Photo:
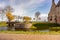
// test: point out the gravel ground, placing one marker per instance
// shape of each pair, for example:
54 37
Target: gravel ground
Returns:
28 37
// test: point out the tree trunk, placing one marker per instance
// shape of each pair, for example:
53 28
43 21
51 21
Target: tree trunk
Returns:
9 25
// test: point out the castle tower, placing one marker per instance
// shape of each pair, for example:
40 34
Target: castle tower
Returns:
58 4
53 6
58 12
53 2
52 13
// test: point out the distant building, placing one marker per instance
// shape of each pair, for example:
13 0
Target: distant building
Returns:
54 14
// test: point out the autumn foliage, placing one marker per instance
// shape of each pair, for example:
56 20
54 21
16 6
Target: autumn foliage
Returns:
9 16
26 18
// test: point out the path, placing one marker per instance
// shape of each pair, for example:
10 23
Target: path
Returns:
28 37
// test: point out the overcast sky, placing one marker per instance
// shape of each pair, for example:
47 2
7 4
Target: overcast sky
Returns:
28 7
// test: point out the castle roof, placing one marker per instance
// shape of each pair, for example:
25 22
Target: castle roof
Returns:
52 7
58 4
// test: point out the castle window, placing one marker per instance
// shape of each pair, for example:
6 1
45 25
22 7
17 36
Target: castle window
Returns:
55 18
51 18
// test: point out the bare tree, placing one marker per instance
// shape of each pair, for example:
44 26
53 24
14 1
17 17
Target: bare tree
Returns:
2 14
37 14
4 10
18 17
8 8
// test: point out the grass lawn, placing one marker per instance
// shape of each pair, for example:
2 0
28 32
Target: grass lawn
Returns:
46 25
30 32
3 24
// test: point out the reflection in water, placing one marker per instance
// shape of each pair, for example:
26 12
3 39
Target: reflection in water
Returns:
3 28
44 30
6 28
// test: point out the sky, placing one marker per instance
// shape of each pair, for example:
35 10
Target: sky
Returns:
28 7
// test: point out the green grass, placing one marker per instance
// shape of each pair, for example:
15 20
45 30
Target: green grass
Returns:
45 25
29 32
3 24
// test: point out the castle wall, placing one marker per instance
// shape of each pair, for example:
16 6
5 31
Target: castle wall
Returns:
54 13
51 16
58 14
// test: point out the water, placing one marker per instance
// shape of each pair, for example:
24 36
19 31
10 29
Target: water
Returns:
44 30
6 28
3 28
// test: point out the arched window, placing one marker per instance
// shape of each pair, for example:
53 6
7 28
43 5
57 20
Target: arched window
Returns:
55 18
51 18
